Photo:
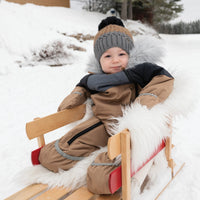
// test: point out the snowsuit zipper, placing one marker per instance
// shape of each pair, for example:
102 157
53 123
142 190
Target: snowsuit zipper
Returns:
83 132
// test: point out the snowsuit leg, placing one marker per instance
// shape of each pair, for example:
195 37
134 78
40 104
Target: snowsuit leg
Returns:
98 174
74 146
99 171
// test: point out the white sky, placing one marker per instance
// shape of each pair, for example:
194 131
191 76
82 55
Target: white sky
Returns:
191 11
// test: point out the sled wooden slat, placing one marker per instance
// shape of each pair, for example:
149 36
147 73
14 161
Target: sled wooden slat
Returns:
120 144
53 194
114 148
82 193
126 164
116 196
28 192
51 122
41 140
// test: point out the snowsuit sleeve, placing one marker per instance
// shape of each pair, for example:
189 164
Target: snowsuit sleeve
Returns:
101 82
155 83
77 97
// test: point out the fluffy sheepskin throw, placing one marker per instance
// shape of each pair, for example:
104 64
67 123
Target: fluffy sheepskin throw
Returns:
149 127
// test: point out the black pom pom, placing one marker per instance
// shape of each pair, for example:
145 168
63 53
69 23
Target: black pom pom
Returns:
110 20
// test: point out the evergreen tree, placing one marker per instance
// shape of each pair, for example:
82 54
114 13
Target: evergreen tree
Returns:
154 12
142 10
165 10
180 28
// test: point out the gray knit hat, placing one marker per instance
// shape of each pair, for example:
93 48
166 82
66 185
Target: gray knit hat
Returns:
112 36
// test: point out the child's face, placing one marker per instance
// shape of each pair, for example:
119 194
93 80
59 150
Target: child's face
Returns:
114 60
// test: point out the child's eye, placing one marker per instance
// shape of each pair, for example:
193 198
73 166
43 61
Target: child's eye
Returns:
107 56
122 54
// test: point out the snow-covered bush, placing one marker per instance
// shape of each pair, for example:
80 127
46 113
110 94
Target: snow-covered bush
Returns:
53 54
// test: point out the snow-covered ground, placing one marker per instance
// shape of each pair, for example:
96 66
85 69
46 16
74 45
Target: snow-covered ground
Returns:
35 37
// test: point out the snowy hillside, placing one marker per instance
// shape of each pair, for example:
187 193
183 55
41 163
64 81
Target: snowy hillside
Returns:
41 61
30 30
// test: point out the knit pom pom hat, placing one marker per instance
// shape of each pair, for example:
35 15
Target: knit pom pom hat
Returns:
112 33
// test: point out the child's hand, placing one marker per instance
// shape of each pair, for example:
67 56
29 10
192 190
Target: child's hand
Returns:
76 98
70 101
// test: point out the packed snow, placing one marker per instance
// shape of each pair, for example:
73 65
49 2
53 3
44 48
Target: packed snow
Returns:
39 67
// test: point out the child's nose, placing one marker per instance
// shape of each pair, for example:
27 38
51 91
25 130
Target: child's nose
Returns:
115 59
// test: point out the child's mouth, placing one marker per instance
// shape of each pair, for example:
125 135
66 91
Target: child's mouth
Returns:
120 68
116 67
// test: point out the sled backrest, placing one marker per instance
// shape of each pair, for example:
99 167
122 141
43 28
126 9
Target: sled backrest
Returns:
41 126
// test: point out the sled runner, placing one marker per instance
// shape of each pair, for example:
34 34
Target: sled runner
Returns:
117 144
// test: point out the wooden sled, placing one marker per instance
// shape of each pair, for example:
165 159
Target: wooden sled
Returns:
117 144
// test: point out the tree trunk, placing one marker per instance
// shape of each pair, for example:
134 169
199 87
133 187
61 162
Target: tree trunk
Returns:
124 10
130 10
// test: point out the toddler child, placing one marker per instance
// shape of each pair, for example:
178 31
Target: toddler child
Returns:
118 85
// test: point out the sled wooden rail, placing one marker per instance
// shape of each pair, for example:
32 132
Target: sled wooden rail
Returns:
117 144
41 126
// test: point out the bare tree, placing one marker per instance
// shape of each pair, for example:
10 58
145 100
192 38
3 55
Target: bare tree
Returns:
130 10
124 10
